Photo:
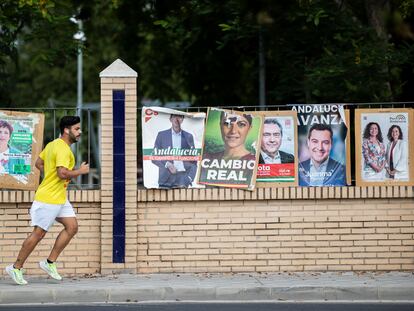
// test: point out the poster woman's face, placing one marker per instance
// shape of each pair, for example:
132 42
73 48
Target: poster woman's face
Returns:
4 135
234 130
373 130
395 133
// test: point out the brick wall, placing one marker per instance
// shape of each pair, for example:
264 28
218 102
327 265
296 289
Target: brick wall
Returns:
350 230
222 230
81 257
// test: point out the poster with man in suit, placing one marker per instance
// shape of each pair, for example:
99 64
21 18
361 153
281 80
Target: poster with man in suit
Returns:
172 142
322 145
278 150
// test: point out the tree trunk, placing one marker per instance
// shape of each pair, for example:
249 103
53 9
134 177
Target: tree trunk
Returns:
377 12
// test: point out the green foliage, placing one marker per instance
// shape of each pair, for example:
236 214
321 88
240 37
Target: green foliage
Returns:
406 7
36 45
206 52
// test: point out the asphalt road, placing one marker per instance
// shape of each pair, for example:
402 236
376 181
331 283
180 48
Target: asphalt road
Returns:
281 306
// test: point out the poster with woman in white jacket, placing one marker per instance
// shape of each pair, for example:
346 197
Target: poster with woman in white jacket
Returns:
384 148
397 154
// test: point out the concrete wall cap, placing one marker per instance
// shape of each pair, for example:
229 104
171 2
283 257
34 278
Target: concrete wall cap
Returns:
118 69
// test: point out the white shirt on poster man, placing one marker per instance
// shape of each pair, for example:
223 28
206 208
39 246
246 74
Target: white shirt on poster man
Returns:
318 174
176 143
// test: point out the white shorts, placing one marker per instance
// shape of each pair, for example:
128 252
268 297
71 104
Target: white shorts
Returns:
44 215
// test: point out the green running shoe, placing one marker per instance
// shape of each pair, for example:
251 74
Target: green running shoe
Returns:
50 268
16 275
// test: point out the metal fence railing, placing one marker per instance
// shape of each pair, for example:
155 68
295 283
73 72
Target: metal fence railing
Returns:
86 150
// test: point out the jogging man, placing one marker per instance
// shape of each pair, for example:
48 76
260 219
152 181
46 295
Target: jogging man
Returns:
56 161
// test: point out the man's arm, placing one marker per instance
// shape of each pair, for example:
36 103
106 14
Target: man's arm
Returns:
338 174
192 145
261 160
286 157
303 173
65 173
190 166
159 145
40 164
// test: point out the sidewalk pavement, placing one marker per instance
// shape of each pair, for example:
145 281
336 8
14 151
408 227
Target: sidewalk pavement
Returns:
330 286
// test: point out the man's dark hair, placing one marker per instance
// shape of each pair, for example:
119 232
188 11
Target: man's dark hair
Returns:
367 135
389 135
176 115
275 122
320 127
67 122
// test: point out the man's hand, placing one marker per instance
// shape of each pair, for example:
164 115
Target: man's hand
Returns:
377 168
84 168
171 168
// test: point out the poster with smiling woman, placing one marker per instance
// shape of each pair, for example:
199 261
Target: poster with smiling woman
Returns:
231 149
383 147
21 139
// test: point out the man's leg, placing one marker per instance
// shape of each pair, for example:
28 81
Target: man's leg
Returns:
191 171
70 229
182 180
29 245
169 182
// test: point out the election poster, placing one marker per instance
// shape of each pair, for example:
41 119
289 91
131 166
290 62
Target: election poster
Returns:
21 140
384 147
231 149
278 149
171 147
322 145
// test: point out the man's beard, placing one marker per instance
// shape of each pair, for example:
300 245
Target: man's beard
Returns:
72 138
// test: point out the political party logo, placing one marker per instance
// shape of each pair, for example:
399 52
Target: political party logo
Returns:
400 118
149 113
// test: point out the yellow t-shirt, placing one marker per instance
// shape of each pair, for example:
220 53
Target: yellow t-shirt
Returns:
52 190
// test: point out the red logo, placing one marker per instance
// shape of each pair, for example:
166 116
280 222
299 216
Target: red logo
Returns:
149 113
287 122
